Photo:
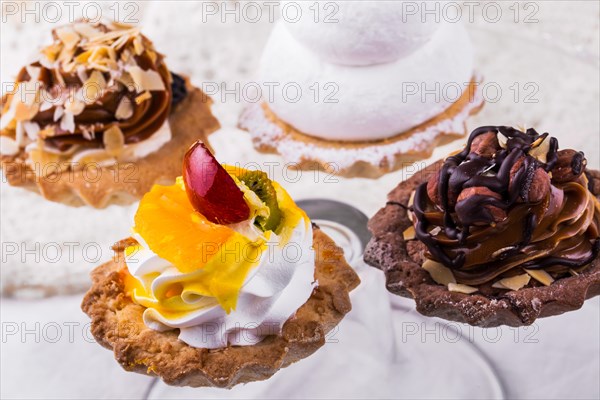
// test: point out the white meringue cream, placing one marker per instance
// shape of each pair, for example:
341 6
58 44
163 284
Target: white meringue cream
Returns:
360 32
162 136
368 102
280 280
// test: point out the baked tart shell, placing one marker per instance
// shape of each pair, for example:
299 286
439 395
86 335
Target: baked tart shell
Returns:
405 277
122 183
117 325
362 159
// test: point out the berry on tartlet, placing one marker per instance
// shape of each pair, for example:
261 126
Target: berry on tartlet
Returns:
97 118
226 280
504 232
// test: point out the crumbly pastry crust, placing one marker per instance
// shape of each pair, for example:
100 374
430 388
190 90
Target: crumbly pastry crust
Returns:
368 159
401 262
123 183
117 325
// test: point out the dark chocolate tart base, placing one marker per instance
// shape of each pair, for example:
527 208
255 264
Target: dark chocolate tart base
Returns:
401 262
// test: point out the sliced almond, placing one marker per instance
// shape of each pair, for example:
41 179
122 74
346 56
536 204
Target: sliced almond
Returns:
411 199
33 72
51 52
120 42
541 276
59 78
45 163
93 88
113 140
116 25
8 146
138 47
435 231
24 104
46 104
93 156
20 134
67 122
87 30
74 105
109 37
460 288
502 140
58 113
66 55
146 80
143 97
68 36
8 117
409 233
31 129
124 109
102 52
540 149
82 73
513 283
83 57
47 132
126 80
439 272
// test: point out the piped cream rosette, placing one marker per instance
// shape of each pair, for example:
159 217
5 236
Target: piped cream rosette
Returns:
220 285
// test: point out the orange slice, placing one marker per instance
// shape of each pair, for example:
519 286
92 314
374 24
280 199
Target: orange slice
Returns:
167 222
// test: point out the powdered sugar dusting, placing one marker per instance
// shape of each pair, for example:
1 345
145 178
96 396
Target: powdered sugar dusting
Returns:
268 135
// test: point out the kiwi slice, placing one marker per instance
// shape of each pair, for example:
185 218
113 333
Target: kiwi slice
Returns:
259 183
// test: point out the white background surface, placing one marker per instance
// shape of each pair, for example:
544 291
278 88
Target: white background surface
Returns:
558 358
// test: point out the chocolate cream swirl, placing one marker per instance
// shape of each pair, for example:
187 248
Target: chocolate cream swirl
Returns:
500 206
63 76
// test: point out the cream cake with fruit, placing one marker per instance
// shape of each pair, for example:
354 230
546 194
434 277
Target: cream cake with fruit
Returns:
363 94
502 233
97 118
225 280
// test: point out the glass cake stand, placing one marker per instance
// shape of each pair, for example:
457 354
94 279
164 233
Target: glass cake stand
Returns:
382 349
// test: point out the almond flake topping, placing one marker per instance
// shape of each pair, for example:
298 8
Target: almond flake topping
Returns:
113 140
512 283
124 109
460 288
541 276
439 273
146 80
8 146
68 36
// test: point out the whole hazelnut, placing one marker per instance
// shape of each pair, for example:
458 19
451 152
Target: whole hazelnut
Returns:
535 185
433 185
433 188
475 206
486 144
570 164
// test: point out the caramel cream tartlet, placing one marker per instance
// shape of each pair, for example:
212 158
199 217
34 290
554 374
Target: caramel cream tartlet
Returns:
98 118
503 232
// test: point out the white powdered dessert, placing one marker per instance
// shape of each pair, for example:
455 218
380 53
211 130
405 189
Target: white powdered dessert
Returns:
368 88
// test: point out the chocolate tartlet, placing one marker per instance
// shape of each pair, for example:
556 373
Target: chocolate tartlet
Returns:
502 233
98 118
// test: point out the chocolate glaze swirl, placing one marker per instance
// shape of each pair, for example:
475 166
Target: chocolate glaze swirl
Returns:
508 216
147 118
